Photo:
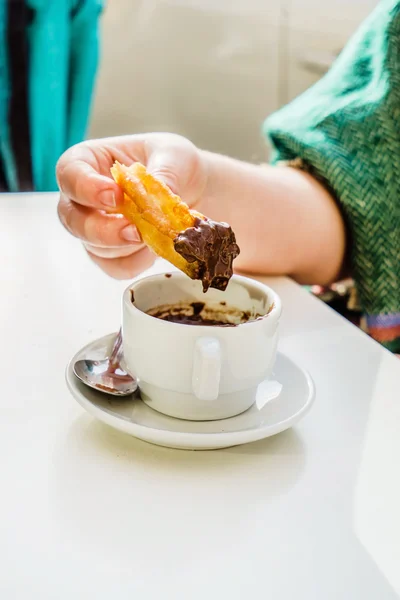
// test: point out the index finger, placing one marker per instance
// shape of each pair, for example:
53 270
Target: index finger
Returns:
80 180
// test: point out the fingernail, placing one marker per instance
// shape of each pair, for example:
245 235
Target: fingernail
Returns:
108 199
131 234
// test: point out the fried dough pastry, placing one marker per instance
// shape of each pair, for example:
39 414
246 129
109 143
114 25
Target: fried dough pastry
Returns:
201 248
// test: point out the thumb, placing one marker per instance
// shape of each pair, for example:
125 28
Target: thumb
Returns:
170 167
178 164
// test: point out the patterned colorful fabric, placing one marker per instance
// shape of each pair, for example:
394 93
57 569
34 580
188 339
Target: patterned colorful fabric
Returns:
386 329
346 130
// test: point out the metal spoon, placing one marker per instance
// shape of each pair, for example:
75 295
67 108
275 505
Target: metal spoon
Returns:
107 375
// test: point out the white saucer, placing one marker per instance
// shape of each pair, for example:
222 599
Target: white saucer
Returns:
280 405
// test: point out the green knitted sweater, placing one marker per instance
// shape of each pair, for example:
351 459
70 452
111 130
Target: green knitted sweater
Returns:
346 130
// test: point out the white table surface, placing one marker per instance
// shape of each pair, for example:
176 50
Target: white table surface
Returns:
87 512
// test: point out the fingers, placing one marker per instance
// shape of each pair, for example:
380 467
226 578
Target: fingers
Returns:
95 227
178 163
83 172
118 252
81 178
126 267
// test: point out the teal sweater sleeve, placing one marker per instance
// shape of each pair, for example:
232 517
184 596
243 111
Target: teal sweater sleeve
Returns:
6 154
63 40
48 88
346 130
83 67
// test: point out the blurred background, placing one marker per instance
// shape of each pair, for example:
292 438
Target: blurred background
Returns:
212 70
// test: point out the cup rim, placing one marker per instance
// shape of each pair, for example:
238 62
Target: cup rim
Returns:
274 313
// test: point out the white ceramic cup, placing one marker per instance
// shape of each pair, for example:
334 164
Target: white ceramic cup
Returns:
198 372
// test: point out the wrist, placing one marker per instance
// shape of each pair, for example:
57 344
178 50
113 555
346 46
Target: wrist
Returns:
219 174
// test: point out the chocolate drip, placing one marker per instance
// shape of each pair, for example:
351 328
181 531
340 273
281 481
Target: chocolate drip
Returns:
213 245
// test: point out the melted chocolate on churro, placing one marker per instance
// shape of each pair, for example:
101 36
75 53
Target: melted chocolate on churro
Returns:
213 245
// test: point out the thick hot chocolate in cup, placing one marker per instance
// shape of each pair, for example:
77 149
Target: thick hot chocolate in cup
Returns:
201 313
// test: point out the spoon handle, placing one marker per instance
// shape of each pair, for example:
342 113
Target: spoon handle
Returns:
117 350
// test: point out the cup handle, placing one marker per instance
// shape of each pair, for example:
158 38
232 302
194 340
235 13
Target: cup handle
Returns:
206 368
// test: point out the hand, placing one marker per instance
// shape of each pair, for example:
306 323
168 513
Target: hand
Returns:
88 192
